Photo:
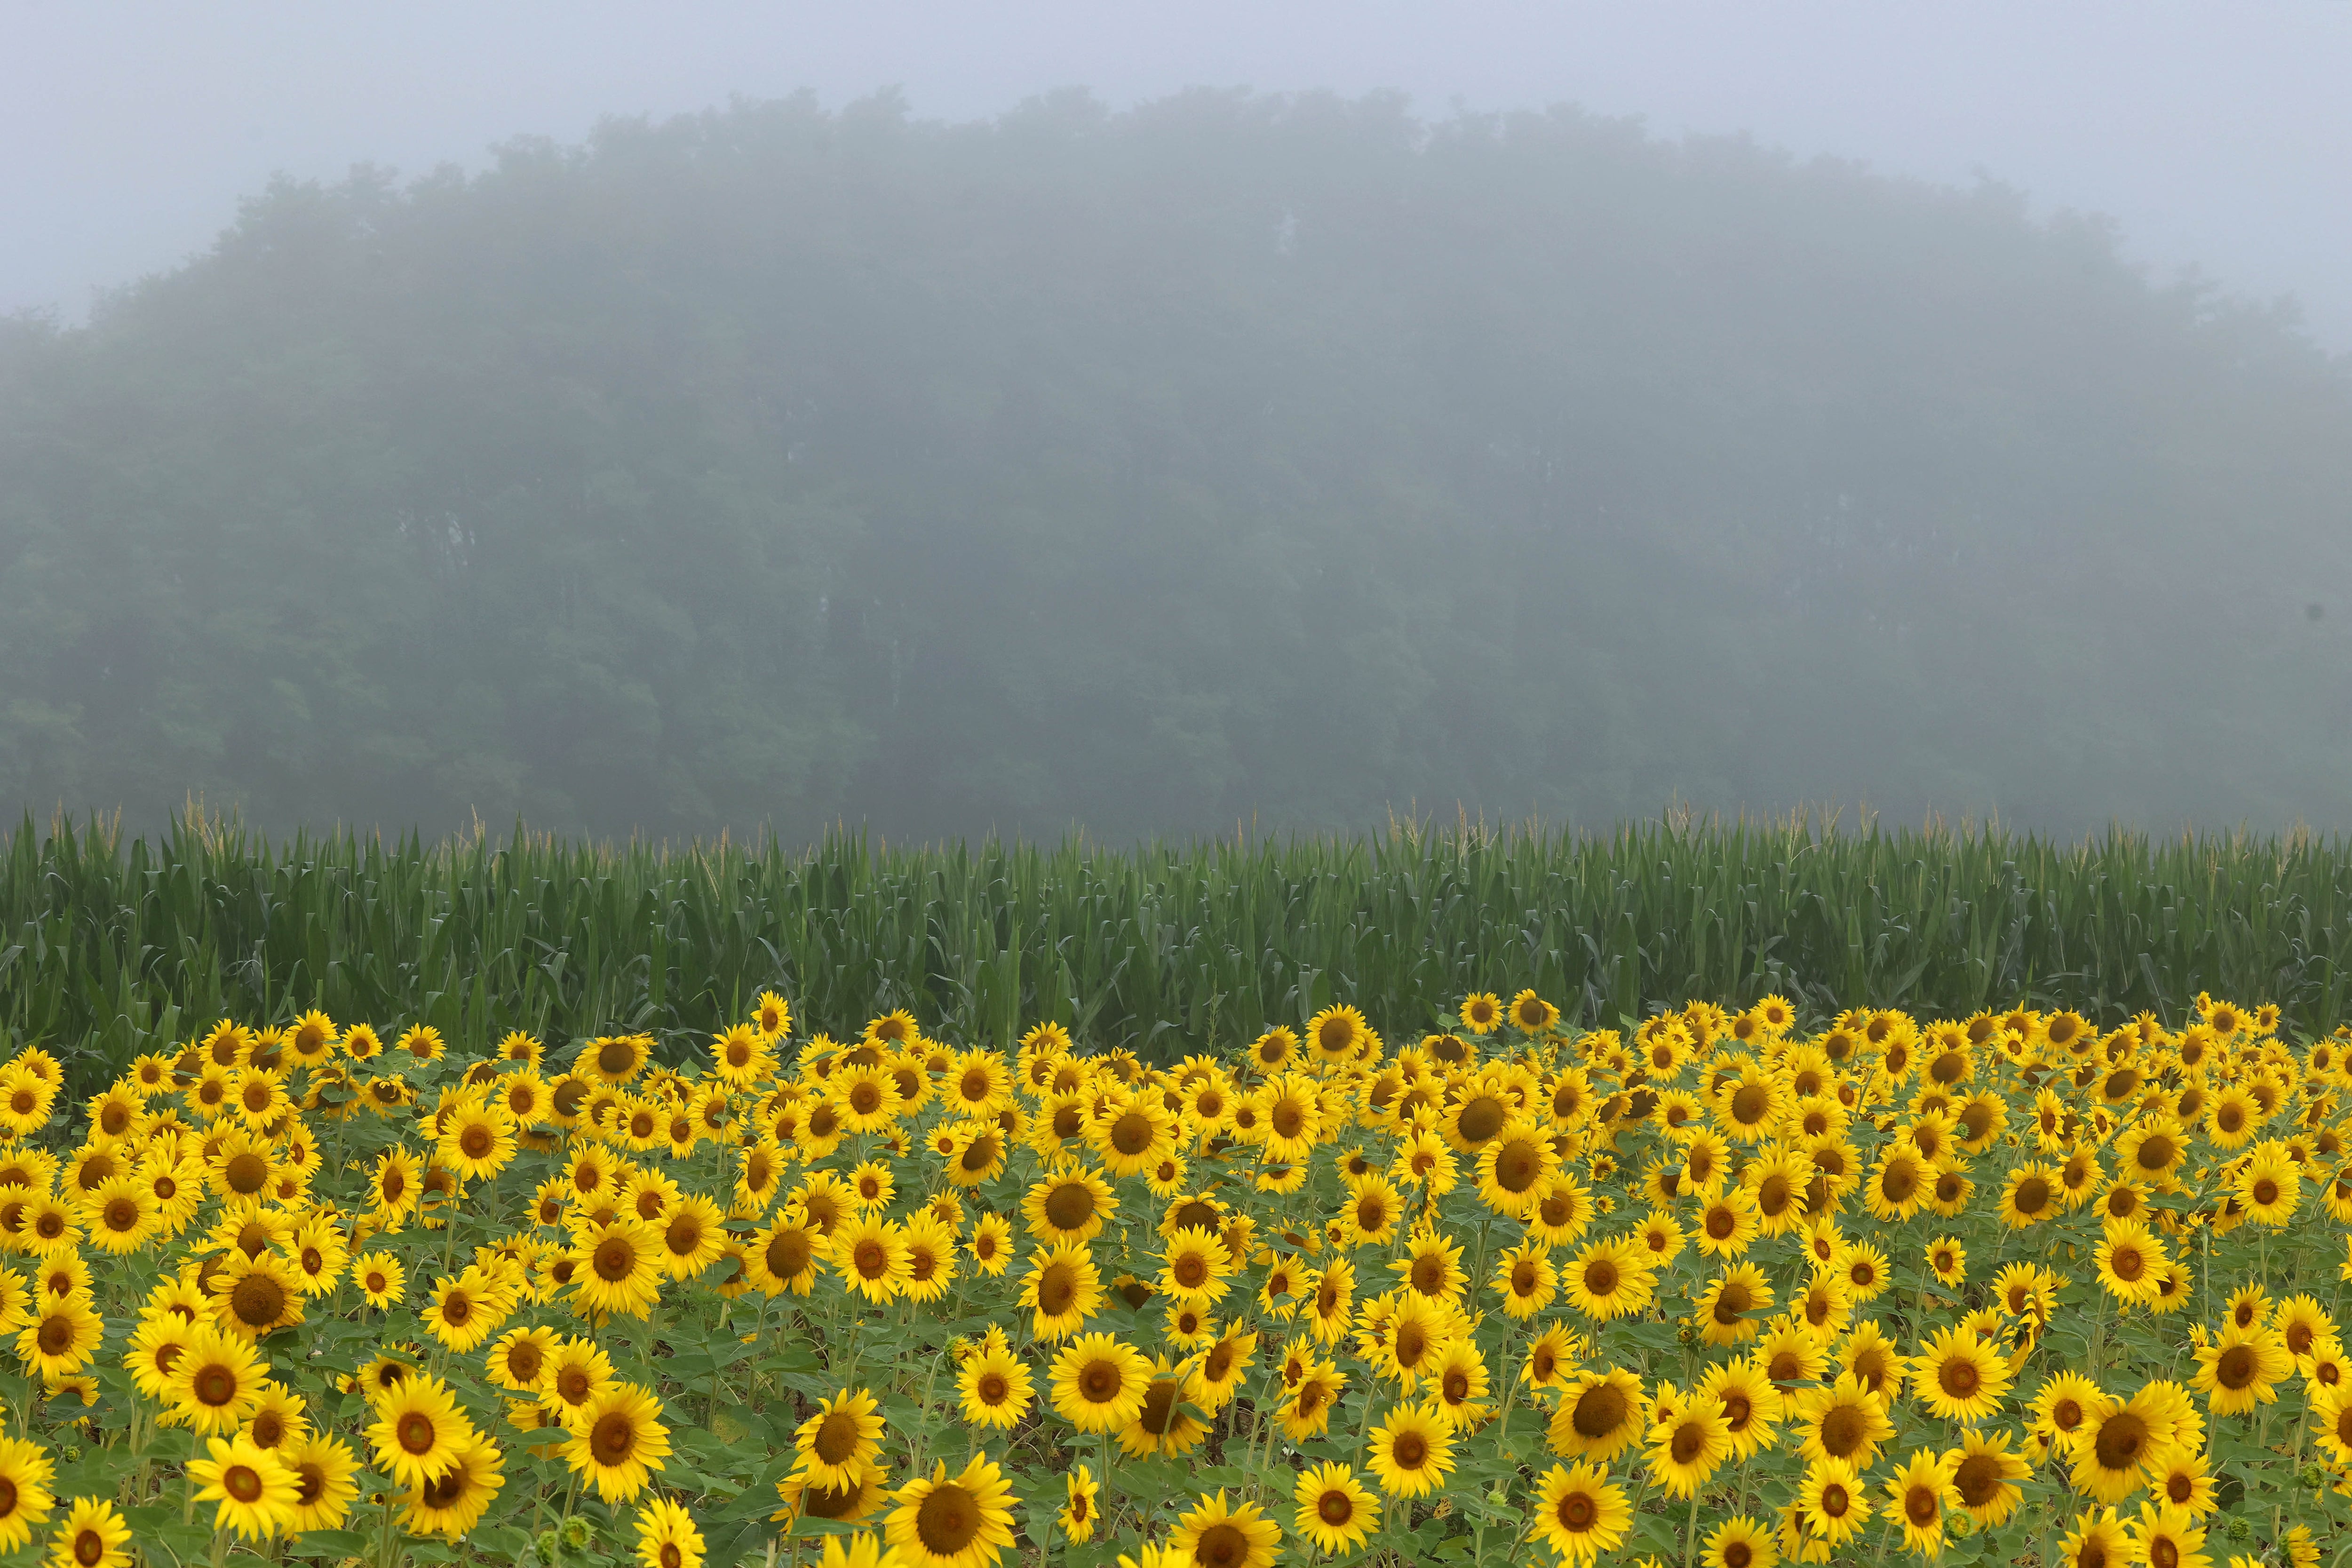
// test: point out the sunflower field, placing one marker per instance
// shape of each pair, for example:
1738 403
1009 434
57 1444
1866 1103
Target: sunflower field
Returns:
1720 1287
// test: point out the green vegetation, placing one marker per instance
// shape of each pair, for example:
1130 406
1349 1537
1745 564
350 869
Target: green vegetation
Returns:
109 947
1236 459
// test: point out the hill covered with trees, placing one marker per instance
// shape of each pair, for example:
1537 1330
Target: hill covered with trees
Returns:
1286 459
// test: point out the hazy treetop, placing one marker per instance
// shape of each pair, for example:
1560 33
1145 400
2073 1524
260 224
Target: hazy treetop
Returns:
2217 135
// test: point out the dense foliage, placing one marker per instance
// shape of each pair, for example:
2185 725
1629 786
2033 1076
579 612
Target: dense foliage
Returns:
1232 459
109 947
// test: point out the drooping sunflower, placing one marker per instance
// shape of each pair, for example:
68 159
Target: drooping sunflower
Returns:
1336 1513
1578 1513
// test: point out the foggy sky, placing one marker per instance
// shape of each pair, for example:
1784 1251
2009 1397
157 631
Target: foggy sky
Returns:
2219 136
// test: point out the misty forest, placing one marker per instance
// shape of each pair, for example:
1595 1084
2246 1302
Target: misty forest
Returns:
1236 459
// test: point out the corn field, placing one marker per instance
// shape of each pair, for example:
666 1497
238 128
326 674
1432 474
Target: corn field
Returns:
110 946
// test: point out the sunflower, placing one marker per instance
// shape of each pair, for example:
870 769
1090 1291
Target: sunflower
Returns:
617 1440
463 1312
1846 1420
578 1369
1601 1414
994 1388
256 1493
1335 1513
479 1141
2131 1261
1163 1425
1099 1383
2120 1442
521 1361
1531 1015
617 1268
1080 1491
2239 1369
1960 1377
62 1337
1412 1451
381 1278
1985 1474
1727 1224
1752 1404
1526 1279
666 1537
1728 1311
123 1213
1481 1012
215 1380
418 1430
1609 1279
2269 1186
1948 1260
1070 1205
324 1469
1739 1541
964 1520
92 1535
1134 1135
453 1502
25 1472
1578 1514
1687 1441
1919 1493
1305 1411
2031 1194
1061 1290
842 1439
1832 1501
1336 1034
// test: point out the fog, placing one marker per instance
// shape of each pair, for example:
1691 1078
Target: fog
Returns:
2217 136
556 415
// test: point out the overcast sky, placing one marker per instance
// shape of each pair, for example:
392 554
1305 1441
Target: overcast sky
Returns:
2219 135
